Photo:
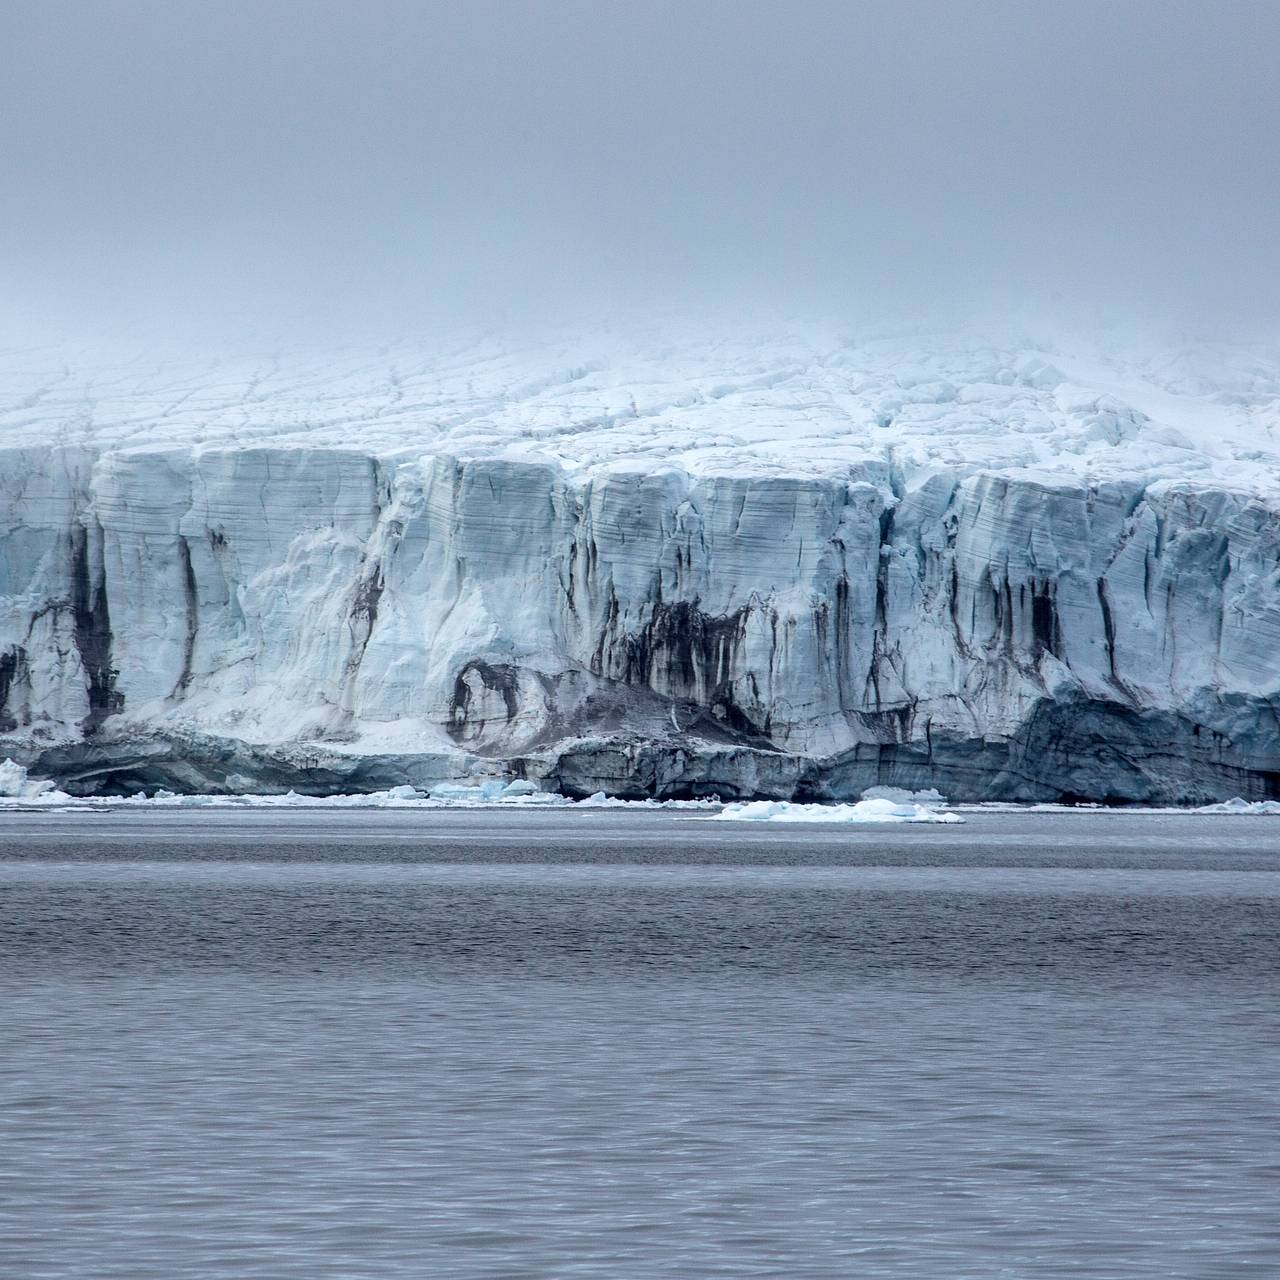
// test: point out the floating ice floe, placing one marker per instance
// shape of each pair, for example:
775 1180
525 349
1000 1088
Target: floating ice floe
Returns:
930 798
876 809
404 797
601 801
494 791
1237 805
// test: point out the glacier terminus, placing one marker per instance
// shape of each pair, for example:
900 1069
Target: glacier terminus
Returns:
791 564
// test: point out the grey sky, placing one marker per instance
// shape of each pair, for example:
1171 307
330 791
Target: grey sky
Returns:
366 163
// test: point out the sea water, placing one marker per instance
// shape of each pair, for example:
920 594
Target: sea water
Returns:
620 1044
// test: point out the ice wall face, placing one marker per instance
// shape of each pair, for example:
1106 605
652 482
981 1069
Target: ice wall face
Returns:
793 633
264 615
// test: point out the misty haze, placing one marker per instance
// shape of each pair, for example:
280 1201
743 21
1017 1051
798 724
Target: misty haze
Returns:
639 640
270 166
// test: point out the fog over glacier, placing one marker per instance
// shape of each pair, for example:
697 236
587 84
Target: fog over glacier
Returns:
671 400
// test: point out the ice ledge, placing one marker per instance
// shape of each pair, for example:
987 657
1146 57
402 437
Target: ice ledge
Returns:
878 806
1067 752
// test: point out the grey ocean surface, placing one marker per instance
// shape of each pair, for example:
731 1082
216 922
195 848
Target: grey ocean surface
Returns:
621 1044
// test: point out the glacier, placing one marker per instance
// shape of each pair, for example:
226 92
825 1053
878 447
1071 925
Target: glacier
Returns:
788 565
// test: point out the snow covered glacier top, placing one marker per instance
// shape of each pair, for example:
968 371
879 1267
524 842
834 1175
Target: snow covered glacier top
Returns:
791 401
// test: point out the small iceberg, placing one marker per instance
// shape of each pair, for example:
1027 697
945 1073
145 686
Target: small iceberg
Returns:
601 801
17 784
494 791
1267 807
875 809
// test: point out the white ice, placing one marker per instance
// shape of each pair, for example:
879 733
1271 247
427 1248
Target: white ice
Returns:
794 399
1269 808
863 811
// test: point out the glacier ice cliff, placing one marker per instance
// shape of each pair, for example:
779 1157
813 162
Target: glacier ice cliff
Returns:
792 568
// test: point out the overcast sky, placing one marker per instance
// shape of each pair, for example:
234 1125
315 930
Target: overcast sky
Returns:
375 163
